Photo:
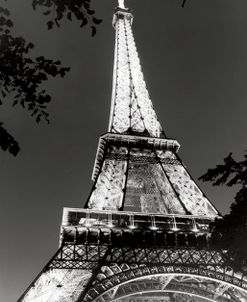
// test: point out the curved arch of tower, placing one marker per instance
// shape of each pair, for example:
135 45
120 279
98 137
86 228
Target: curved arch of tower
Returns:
143 233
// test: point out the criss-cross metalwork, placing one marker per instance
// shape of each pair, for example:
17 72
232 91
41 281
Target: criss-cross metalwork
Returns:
144 232
116 272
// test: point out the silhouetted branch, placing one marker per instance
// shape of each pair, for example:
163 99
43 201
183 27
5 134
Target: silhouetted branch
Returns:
22 76
229 235
7 142
57 10
183 4
230 172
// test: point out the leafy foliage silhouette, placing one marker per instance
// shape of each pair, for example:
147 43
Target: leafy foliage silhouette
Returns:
21 76
57 10
229 234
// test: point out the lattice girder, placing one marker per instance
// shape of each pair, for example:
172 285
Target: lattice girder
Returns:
165 297
120 275
131 108
143 234
157 286
141 174
115 269
58 285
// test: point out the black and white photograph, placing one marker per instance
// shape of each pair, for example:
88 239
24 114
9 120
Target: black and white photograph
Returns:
123 155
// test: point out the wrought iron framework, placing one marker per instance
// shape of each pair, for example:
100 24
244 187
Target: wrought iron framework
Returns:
141 173
143 234
105 273
131 109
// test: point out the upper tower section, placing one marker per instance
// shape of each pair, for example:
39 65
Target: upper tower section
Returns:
132 111
136 168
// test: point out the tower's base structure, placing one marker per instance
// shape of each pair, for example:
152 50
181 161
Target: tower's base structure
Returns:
144 232
122 256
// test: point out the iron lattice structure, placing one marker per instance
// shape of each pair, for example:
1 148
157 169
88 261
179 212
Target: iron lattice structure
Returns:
143 234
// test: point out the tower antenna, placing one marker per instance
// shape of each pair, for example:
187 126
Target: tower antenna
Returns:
121 4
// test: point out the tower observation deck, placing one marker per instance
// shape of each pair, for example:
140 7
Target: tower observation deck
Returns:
143 233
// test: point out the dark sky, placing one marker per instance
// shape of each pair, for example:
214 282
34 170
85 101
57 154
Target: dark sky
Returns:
195 65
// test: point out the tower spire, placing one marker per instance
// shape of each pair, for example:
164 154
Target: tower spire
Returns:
121 4
131 107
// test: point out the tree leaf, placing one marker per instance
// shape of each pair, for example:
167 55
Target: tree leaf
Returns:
46 13
50 24
93 30
96 21
69 16
7 142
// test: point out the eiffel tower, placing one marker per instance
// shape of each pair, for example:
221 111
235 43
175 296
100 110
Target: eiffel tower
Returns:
143 233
